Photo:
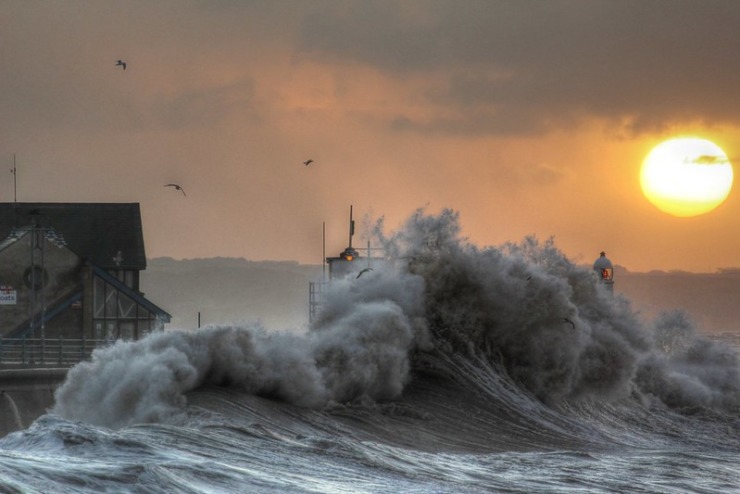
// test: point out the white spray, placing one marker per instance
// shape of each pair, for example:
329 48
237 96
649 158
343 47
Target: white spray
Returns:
557 332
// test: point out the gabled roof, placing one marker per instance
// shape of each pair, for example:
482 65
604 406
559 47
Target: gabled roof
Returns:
94 231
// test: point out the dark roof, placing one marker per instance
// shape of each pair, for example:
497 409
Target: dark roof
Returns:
94 231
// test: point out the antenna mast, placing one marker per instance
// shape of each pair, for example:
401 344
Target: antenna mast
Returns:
351 226
323 253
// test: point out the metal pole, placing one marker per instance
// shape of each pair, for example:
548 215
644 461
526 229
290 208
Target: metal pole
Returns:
15 182
43 298
32 293
351 226
323 252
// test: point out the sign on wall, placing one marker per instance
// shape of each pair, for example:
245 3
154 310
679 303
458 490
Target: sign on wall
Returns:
7 295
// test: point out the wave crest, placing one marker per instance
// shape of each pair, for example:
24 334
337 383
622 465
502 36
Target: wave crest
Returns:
546 322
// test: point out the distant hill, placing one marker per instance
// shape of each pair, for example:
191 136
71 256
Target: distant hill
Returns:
711 299
227 290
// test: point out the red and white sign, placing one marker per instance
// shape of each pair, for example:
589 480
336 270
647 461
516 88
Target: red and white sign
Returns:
7 295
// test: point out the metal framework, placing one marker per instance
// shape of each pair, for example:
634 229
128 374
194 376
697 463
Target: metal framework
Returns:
37 352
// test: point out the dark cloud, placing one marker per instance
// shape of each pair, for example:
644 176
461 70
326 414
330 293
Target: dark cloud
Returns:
493 67
207 108
503 121
59 66
533 64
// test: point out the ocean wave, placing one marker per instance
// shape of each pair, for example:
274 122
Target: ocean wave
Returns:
532 342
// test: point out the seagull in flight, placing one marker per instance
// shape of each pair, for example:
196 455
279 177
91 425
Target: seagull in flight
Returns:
121 63
364 271
177 187
308 162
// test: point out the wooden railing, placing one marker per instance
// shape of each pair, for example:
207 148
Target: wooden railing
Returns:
37 352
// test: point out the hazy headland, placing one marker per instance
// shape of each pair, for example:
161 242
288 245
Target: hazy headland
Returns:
230 290
275 293
711 299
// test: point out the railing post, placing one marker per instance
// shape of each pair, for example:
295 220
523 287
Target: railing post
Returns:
23 355
1 349
61 351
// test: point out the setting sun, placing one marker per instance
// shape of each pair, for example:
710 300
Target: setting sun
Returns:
686 176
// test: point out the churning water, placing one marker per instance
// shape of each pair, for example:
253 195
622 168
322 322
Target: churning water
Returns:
451 369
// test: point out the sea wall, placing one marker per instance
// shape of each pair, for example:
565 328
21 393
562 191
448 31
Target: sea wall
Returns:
25 395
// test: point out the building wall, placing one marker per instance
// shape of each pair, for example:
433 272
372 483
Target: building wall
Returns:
58 276
25 395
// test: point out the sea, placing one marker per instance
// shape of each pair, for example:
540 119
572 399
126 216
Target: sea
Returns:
448 368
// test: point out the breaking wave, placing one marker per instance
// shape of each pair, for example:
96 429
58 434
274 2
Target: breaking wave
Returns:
518 332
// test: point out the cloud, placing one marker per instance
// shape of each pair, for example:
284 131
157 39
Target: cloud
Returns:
208 107
706 159
530 66
484 67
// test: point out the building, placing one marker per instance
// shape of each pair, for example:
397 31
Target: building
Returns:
349 263
71 270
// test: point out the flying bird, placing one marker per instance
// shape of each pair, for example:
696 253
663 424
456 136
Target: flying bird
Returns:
121 63
364 271
308 162
565 319
177 187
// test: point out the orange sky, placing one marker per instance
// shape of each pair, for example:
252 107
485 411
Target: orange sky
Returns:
526 117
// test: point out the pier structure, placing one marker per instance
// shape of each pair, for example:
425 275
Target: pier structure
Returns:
69 283
349 263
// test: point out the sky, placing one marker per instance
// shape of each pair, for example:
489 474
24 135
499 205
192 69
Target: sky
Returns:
526 117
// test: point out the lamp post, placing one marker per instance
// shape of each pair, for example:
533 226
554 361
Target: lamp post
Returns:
14 171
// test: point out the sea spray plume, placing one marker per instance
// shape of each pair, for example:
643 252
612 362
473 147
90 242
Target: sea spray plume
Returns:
275 364
365 333
364 355
610 337
673 332
129 382
13 409
511 303
689 371
359 351
507 305
145 381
